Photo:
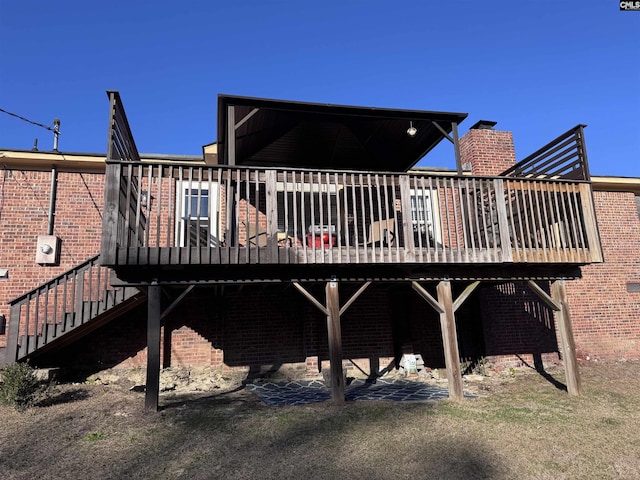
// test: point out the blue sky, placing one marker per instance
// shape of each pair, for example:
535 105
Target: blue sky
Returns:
536 67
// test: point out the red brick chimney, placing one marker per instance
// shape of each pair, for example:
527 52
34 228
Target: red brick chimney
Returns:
488 151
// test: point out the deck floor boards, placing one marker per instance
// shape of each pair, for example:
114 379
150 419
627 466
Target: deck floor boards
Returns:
187 256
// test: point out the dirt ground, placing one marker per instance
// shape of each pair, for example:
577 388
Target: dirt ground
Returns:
521 426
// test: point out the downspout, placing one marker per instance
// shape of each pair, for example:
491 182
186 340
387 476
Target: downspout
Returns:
54 179
52 199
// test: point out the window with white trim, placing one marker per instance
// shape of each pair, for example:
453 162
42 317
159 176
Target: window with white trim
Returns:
197 206
424 209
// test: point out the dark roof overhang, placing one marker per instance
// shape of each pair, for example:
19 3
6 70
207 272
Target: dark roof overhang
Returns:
278 133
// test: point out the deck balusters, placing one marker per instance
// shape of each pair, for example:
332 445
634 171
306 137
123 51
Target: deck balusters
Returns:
206 215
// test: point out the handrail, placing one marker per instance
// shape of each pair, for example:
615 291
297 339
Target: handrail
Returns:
93 260
328 216
59 305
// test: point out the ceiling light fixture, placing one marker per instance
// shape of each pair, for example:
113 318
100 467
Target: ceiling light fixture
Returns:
411 131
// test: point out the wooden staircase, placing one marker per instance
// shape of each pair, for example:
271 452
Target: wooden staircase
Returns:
64 309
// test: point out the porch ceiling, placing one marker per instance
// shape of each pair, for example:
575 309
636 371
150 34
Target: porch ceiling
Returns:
313 135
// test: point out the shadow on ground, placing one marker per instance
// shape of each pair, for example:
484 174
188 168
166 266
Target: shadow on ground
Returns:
67 396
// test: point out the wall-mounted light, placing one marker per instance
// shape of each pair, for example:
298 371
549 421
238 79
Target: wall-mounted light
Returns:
4 273
144 198
411 131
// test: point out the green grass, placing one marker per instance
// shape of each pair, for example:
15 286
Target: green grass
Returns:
94 436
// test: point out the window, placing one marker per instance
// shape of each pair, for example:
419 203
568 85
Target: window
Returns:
310 200
197 205
424 208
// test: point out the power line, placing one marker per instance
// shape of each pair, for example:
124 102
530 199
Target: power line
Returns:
27 120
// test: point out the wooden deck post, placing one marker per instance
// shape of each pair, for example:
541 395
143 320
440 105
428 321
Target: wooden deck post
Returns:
335 342
333 312
559 294
231 135
13 335
591 226
503 221
271 192
407 226
152 390
110 221
456 148
450 340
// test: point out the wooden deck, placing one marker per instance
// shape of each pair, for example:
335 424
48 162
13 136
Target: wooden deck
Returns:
169 214
169 223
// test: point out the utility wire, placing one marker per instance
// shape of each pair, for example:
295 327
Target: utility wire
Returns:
27 120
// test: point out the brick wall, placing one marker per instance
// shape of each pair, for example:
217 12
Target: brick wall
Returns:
606 317
518 328
24 206
281 328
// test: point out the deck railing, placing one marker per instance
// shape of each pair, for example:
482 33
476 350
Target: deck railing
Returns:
160 213
564 157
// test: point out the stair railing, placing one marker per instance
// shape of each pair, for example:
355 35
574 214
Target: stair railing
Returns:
45 313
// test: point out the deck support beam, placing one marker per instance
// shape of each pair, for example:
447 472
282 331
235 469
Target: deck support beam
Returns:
152 390
428 297
559 293
176 302
464 295
558 302
446 308
333 312
450 340
335 342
